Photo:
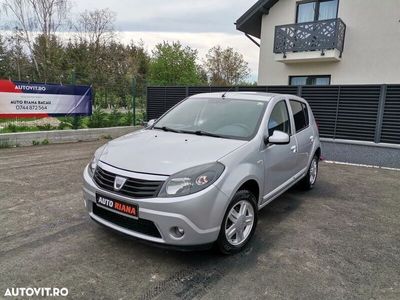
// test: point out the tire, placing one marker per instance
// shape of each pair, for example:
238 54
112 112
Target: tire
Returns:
243 201
308 182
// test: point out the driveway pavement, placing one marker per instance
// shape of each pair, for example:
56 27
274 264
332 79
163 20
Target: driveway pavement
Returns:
338 241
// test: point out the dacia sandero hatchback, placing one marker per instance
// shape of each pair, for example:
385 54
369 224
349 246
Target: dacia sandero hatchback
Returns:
198 175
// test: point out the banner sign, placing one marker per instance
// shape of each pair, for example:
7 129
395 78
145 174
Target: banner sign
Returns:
25 100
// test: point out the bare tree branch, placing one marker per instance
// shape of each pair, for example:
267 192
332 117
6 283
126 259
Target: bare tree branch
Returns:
96 27
32 16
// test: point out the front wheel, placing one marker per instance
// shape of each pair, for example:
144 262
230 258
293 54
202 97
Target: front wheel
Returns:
239 223
307 183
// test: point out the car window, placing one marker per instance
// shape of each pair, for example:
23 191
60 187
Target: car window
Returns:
229 118
279 119
300 115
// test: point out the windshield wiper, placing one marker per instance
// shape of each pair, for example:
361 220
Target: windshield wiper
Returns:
205 133
165 128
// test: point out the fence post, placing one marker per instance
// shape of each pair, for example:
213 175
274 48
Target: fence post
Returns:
381 111
299 90
133 101
337 111
76 119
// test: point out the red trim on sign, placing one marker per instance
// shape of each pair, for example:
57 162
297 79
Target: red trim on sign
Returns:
22 116
7 86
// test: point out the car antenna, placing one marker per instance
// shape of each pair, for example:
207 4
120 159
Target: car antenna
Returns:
223 95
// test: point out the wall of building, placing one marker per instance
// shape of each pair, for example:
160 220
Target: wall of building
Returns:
372 45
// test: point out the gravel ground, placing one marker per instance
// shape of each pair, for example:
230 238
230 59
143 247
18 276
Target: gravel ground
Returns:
338 241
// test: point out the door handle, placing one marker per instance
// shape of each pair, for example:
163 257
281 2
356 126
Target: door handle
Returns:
293 149
312 139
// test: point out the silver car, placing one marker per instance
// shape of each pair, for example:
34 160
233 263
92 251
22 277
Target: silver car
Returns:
198 175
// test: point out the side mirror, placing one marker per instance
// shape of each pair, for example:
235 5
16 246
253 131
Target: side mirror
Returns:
278 138
149 123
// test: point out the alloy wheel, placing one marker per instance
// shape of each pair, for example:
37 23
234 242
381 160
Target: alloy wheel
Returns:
239 223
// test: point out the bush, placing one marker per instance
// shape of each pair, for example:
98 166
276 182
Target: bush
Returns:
76 122
64 125
12 127
114 118
98 118
45 127
19 128
127 119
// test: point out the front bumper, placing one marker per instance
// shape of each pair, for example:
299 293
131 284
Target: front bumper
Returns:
199 215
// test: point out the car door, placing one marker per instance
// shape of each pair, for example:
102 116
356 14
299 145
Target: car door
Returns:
303 132
279 160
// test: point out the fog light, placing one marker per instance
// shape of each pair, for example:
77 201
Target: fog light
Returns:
177 232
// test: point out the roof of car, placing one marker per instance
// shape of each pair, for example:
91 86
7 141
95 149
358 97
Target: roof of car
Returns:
259 96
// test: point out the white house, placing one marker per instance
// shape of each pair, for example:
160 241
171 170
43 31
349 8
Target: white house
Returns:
320 42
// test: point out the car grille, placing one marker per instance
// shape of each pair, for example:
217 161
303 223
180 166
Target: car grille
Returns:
135 188
138 225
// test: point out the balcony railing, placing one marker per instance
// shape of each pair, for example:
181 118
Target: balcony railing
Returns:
310 36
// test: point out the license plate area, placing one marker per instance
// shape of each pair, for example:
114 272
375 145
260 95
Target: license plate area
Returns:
128 209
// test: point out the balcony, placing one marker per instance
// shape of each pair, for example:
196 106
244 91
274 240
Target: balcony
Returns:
310 42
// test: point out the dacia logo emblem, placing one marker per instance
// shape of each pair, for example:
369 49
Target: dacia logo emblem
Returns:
119 182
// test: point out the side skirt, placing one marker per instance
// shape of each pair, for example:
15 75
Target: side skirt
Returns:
283 188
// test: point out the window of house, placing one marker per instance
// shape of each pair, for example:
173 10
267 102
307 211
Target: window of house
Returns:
300 115
316 10
279 119
310 80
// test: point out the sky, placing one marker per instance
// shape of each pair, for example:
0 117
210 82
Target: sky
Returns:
200 24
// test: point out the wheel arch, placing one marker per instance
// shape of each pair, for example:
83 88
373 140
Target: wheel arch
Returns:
318 152
252 186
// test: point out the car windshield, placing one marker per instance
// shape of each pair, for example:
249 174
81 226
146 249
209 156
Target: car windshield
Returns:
218 117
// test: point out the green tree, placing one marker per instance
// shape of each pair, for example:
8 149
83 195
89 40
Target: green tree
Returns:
174 64
4 60
20 66
49 53
225 66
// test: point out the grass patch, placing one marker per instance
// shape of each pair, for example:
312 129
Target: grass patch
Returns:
107 137
99 119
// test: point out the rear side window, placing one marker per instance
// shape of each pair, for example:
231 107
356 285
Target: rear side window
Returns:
300 114
279 119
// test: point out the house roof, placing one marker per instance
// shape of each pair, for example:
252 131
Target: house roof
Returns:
250 21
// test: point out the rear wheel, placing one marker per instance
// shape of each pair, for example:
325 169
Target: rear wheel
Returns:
239 223
308 182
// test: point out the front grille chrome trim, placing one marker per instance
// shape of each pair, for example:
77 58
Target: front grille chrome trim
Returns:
136 187
130 174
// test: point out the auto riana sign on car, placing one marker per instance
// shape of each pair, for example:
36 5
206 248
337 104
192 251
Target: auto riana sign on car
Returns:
22 99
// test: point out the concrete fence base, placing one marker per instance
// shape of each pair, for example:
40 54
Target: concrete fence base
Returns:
62 136
357 152
385 155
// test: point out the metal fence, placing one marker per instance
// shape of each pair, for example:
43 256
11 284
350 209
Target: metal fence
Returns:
353 112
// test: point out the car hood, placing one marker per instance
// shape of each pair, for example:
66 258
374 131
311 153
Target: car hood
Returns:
165 153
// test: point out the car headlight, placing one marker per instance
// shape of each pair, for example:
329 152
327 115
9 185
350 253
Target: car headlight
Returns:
93 163
191 180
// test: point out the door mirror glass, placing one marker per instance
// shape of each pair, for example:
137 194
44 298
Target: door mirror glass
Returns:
278 138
